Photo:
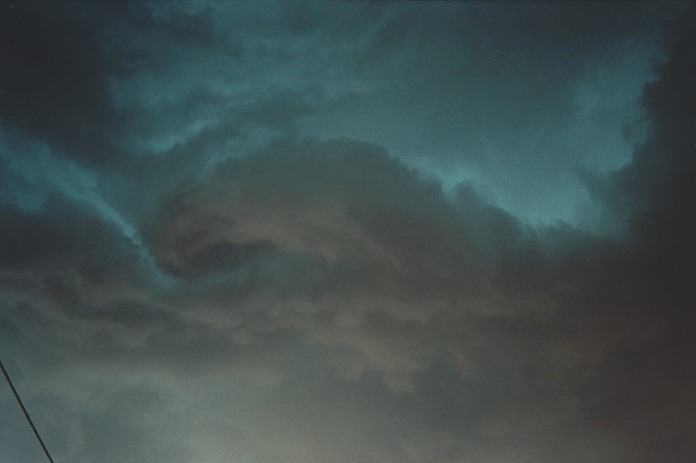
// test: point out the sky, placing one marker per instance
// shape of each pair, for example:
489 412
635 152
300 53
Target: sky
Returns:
342 232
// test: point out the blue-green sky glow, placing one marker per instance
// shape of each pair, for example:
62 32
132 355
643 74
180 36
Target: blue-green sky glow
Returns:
350 232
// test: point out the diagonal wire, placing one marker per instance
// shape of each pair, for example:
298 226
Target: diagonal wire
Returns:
26 413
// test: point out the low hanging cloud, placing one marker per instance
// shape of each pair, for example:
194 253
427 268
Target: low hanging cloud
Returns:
233 289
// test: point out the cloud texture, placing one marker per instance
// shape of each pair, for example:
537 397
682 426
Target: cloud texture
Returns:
349 232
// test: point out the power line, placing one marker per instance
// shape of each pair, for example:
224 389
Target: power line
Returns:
26 413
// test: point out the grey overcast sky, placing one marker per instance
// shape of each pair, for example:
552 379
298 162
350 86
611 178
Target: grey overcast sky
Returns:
260 232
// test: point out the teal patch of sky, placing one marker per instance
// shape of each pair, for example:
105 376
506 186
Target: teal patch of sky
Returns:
526 162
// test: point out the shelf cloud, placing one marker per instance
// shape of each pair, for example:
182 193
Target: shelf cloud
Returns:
350 232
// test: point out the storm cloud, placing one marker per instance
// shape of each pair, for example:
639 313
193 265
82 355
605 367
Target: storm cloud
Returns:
350 232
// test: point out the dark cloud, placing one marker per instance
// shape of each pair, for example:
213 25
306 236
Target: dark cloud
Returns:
63 63
61 236
56 80
650 374
193 266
